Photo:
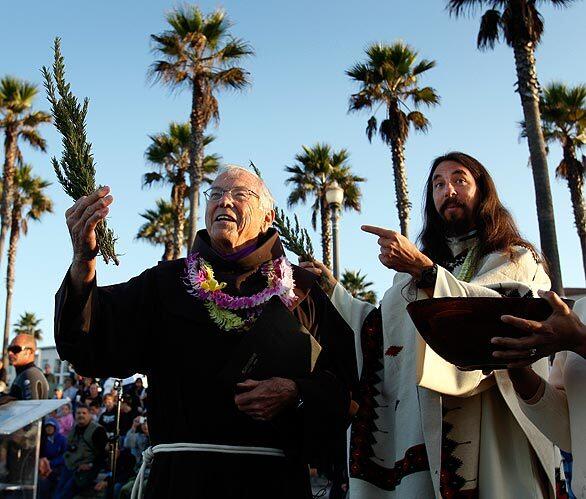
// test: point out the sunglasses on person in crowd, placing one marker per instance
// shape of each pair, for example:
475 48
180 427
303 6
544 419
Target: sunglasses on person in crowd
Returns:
16 349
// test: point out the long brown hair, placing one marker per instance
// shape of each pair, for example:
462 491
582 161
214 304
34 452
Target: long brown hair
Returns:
496 229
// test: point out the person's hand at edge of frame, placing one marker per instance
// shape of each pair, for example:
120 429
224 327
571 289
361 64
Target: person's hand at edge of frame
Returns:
561 331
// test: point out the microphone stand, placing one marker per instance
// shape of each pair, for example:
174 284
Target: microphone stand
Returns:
115 440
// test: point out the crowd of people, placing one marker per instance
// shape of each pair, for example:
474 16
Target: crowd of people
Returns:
80 438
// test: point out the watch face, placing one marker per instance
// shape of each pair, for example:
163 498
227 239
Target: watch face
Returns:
428 277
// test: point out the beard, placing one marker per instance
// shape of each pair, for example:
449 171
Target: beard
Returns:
456 224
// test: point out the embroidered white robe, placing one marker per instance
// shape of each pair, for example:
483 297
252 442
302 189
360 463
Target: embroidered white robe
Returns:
513 454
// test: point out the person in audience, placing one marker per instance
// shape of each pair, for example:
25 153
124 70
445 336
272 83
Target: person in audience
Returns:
84 457
95 410
53 446
108 417
137 438
65 419
92 395
69 390
30 382
51 379
58 392
127 414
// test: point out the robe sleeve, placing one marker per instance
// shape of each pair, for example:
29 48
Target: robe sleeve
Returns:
498 274
354 312
109 331
550 413
326 393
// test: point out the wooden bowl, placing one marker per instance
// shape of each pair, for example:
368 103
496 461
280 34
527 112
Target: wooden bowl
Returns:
460 329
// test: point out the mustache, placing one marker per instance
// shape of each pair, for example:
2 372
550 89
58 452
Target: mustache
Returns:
449 203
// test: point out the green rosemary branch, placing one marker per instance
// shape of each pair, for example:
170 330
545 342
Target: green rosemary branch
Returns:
294 238
76 170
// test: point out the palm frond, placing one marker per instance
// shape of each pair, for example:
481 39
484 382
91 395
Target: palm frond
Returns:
371 127
458 8
490 29
34 139
419 121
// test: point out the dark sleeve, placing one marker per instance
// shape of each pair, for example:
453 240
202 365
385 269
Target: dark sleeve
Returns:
99 439
326 393
108 331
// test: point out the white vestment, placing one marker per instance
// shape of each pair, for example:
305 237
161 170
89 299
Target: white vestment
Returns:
397 437
560 411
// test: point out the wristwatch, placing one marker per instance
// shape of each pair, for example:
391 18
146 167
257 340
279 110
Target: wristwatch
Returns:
428 277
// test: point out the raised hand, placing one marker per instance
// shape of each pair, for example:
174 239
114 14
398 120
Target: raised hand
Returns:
82 219
397 252
562 330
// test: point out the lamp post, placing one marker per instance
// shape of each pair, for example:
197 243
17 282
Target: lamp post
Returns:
335 199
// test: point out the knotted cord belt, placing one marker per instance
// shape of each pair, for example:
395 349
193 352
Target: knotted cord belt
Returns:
149 454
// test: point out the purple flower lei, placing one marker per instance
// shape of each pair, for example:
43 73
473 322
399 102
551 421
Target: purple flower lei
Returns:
279 276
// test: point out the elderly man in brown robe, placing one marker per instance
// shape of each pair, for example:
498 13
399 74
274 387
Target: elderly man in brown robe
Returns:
246 384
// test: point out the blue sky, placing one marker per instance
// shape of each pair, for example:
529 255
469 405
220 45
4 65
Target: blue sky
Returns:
299 96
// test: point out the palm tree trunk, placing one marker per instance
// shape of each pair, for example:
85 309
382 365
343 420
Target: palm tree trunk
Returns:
575 180
168 254
195 157
181 189
326 233
401 189
10 150
176 204
528 88
10 270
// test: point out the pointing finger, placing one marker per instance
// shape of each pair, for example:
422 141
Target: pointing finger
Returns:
378 231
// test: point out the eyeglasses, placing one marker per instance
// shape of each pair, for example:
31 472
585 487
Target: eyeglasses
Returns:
16 349
236 193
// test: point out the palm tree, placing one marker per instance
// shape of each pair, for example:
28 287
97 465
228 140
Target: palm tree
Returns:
390 77
19 122
316 168
521 25
563 116
28 324
356 285
29 202
169 152
199 53
159 227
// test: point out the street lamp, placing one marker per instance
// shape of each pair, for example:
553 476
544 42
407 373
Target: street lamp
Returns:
335 199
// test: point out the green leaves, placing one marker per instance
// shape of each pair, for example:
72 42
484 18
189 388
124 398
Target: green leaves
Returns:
294 238
76 168
389 78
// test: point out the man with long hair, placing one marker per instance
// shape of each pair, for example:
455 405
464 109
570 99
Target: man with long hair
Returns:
424 427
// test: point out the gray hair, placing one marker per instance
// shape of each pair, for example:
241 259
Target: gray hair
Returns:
266 200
